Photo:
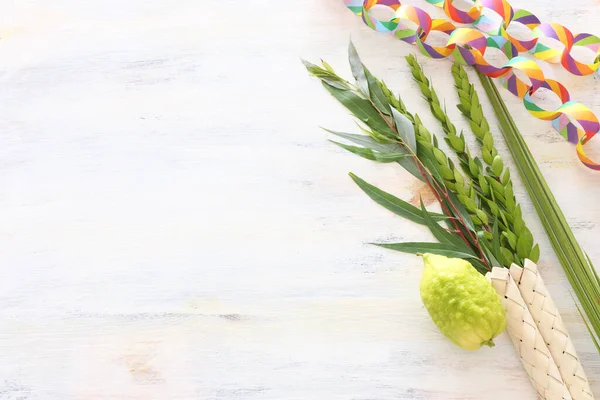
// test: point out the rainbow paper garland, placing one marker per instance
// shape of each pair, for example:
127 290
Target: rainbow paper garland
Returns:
573 120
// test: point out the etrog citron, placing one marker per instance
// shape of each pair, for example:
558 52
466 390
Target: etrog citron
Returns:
461 302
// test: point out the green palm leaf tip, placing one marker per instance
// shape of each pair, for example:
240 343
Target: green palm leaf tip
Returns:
491 184
577 266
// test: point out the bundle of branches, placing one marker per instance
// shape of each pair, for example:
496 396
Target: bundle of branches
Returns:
481 220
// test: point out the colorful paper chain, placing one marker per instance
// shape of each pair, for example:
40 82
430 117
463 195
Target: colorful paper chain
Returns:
468 46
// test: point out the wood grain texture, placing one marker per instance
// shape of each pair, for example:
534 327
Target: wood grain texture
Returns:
174 224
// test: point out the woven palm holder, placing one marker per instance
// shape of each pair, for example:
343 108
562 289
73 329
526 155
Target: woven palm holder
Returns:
527 339
552 329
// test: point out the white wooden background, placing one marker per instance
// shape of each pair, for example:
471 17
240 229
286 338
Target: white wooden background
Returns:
175 225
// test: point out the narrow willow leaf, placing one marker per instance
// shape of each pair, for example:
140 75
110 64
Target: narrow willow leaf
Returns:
441 249
326 75
488 253
367 141
429 161
377 136
481 267
443 235
369 154
327 66
358 70
410 165
495 239
334 83
406 130
462 211
361 108
309 66
394 204
376 93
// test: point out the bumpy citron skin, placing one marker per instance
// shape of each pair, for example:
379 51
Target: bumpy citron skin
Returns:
461 302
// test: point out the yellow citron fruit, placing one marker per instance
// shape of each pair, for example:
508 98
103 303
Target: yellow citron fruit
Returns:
461 302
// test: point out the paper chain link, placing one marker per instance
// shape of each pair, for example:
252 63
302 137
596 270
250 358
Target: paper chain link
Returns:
467 46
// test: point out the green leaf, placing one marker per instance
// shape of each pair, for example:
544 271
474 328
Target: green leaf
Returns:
524 246
482 216
487 156
358 70
334 83
430 162
327 67
326 75
377 136
519 226
376 93
494 210
456 143
447 173
477 113
361 109
506 177
462 211
534 255
421 130
394 204
485 187
488 141
407 163
441 157
495 239
507 256
367 141
492 260
511 238
410 165
473 168
442 249
497 165
518 213
496 186
406 130
443 235
468 203
459 178
369 154
309 66
481 267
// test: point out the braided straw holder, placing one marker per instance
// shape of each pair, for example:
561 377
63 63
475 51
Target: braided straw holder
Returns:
551 327
527 339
